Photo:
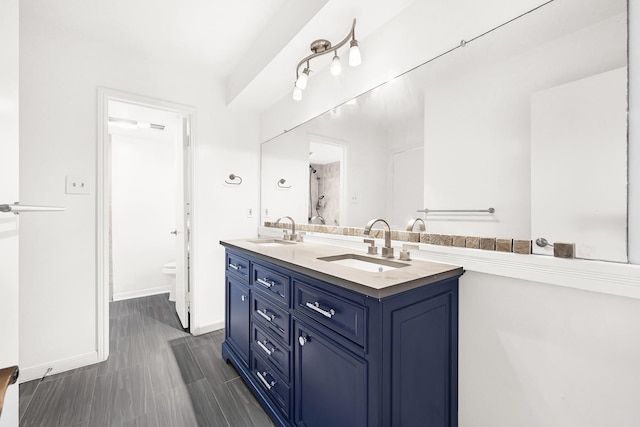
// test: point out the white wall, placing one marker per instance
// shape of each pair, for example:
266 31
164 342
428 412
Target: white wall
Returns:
143 212
477 125
533 354
9 84
289 160
60 73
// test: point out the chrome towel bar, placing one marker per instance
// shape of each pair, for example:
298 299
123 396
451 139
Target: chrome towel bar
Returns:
427 211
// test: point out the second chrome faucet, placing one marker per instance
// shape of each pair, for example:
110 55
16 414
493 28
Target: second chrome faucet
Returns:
387 250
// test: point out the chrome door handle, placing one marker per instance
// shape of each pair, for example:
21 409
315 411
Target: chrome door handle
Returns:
174 232
265 315
316 307
266 282
263 346
17 208
262 378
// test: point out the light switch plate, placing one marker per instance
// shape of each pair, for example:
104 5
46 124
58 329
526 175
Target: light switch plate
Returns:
76 184
266 212
250 213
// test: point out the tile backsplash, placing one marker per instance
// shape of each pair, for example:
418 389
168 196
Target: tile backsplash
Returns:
566 250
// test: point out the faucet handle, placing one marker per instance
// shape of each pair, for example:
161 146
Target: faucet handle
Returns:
300 236
285 234
405 255
372 249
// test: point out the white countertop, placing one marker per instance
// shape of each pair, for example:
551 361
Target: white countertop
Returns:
303 257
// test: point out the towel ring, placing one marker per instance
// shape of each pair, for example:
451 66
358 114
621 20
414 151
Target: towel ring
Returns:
233 178
281 183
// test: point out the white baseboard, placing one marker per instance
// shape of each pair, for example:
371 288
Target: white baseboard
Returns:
62 365
205 329
118 296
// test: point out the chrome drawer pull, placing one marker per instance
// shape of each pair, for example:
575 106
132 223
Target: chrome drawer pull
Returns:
243 298
262 376
268 317
316 307
263 345
266 282
235 267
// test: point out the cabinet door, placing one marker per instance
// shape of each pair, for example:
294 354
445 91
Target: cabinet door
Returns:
330 382
238 309
422 356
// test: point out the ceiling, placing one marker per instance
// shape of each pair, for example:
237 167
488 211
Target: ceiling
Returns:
253 45
196 31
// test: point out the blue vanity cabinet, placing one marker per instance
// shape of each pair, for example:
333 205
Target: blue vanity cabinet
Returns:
317 353
237 304
330 382
237 317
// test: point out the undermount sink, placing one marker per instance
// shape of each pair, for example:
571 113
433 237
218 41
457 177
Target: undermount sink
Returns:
375 265
271 242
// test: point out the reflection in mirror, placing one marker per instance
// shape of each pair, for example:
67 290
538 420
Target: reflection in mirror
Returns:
325 181
467 131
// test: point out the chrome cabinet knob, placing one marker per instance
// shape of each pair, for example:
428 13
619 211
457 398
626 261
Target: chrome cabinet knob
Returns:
244 297
302 340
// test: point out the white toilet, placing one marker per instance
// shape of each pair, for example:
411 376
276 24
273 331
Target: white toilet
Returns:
170 270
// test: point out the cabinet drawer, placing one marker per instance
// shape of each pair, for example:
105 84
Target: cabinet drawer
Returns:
268 314
345 317
272 283
237 266
272 384
272 350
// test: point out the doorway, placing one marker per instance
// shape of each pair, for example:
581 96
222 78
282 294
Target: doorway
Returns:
326 182
144 212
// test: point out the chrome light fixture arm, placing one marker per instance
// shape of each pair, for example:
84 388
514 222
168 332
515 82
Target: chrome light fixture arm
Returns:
316 53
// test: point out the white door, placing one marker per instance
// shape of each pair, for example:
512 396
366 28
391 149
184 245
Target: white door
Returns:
9 195
578 149
183 219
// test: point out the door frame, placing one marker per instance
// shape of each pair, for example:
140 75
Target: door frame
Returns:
103 184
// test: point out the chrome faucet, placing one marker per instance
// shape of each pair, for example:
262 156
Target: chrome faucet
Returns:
293 235
412 223
318 217
387 250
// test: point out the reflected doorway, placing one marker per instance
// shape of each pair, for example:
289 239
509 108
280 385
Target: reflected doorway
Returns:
326 182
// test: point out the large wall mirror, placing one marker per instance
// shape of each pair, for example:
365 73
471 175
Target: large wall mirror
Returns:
529 119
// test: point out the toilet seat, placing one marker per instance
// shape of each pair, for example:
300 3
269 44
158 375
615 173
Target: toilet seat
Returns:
169 268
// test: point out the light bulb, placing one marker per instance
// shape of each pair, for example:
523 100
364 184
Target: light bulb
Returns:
302 79
354 54
336 66
297 93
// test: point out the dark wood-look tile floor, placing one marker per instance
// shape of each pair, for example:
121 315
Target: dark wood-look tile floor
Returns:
156 375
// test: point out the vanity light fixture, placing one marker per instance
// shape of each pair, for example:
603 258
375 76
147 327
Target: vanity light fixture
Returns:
321 47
